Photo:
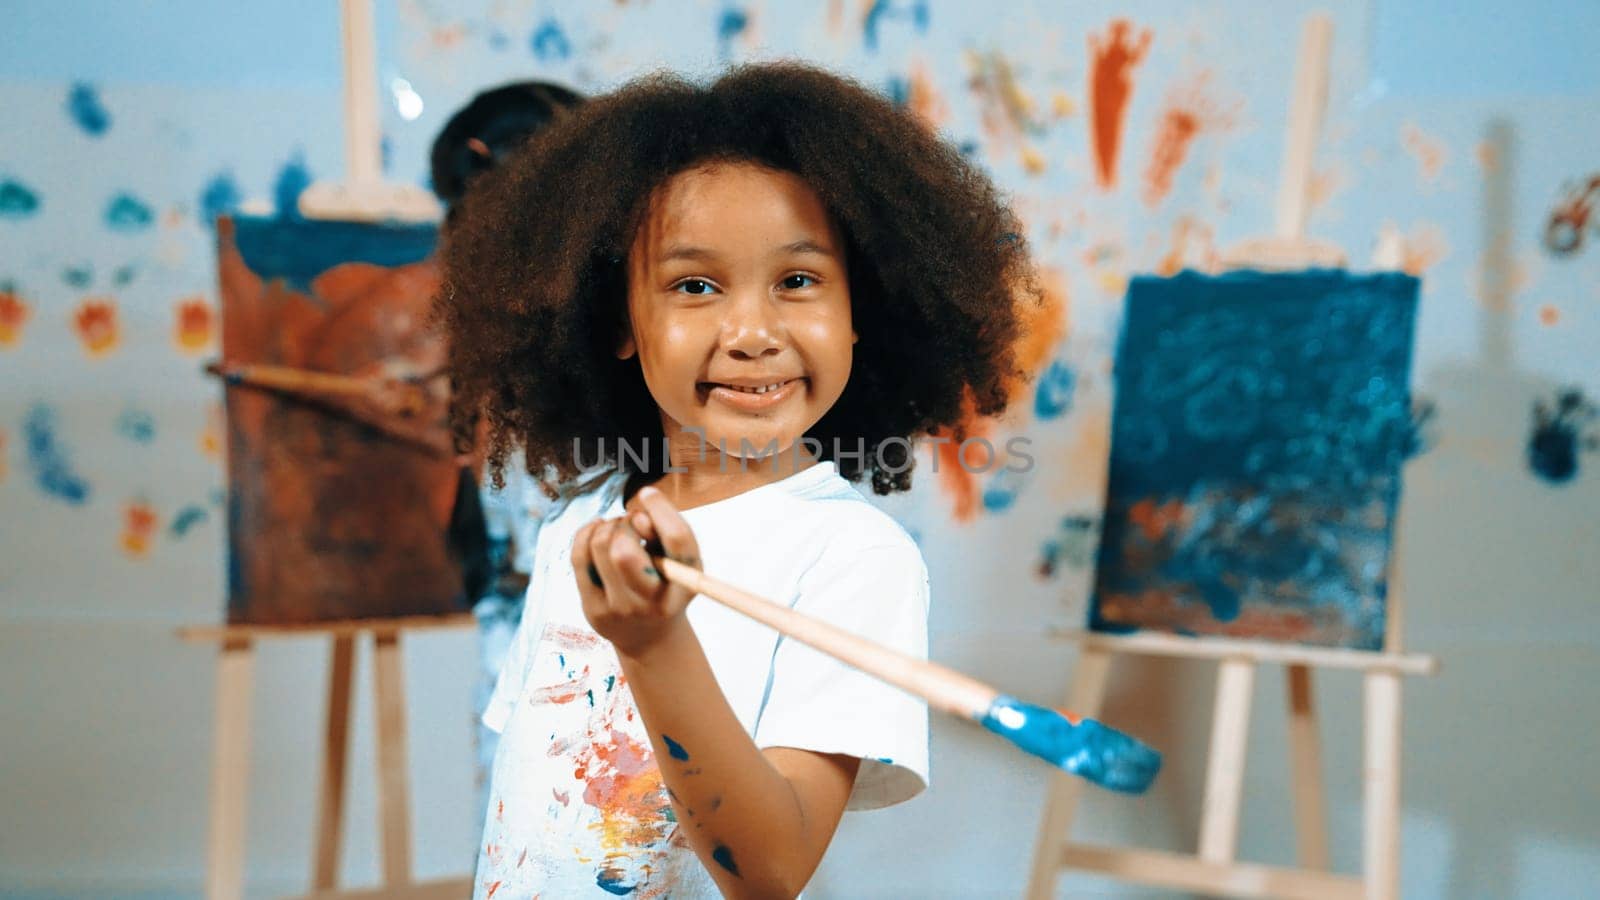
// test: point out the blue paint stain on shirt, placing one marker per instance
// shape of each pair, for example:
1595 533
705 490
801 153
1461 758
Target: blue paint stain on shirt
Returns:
47 458
1054 394
675 749
128 214
219 197
610 881
298 250
79 277
549 42
137 425
187 518
17 200
292 181
87 110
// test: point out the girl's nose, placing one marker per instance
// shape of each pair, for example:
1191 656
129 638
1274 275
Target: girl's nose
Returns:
752 328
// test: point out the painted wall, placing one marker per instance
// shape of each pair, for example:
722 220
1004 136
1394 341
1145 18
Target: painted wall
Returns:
123 125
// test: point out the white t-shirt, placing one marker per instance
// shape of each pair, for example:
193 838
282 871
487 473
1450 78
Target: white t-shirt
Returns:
577 806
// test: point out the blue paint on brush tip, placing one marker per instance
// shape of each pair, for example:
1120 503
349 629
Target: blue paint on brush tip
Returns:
1088 749
675 749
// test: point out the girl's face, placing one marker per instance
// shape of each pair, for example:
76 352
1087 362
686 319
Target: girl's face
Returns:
739 306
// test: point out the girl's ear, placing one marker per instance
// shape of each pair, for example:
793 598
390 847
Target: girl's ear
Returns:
854 338
626 348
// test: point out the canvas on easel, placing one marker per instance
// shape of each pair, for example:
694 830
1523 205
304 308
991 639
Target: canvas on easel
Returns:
1259 428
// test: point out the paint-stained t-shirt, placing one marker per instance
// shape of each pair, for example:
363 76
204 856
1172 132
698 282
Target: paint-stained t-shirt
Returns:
577 805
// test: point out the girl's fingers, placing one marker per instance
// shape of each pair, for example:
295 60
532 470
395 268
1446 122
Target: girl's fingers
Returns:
669 528
636 574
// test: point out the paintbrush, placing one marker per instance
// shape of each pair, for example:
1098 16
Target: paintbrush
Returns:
1084 747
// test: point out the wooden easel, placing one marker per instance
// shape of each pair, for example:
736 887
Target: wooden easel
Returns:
1215 869
230 761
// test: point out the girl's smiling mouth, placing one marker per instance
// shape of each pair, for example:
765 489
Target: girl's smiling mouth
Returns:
751 395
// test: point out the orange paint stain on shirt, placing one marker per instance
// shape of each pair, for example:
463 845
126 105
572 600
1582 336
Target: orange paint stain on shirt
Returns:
1114 56
96 323
14 314
193 324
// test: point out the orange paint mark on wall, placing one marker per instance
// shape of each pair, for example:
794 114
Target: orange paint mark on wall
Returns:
1193 247
1429 152
1189 112
138 528
1425 246
1549 315
1042 325
925 101
97 326
14 314
193 324
211 435
1114 56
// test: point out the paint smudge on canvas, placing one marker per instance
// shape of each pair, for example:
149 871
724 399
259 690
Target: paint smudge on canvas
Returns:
549 43
733 22
1259 429
48 458
1559 435
1114 57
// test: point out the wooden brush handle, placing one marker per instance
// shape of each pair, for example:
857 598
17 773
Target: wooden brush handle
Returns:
944 689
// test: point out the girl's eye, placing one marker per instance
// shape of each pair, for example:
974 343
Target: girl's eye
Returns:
796 282
694 286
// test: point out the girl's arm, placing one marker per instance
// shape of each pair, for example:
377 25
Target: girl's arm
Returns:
759 820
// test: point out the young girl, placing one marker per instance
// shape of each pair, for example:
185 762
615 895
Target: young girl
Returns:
709 309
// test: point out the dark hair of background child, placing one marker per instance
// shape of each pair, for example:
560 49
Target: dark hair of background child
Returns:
535 278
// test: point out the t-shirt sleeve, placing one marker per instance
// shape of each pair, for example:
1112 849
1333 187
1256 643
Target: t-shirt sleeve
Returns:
513 671
819 704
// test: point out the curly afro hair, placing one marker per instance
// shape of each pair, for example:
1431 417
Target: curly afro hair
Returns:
535 278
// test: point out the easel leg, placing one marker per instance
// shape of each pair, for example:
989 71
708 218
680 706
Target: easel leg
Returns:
1230 727
230 772
1381 868
335 752
394 802
1084 698
1305 757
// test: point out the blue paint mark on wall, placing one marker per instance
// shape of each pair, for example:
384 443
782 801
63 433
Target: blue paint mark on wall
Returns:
292 181
219 197
1003 489
300 250
1053 397
17 200
898 89
87 110
128 214
186 519
730 25
137 425
549 42
47 458
1260 426
915 11
1557 436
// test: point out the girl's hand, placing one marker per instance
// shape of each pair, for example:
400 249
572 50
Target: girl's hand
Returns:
624 598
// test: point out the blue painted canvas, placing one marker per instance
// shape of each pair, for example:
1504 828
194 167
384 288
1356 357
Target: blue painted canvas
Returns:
1258 431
